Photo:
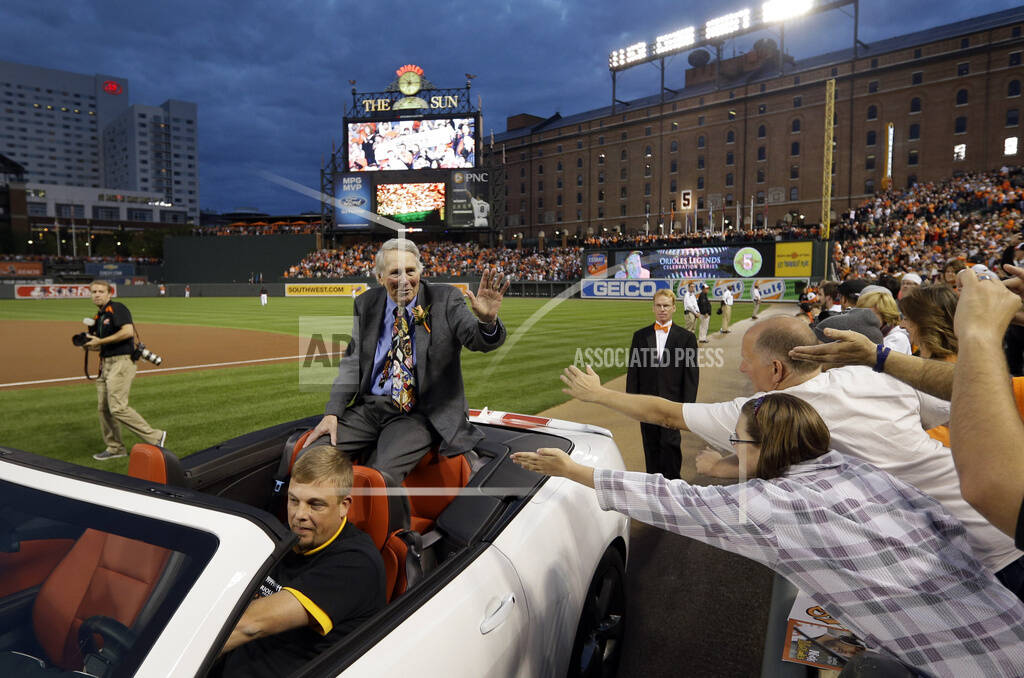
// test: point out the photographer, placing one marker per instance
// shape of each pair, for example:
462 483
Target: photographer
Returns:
112 334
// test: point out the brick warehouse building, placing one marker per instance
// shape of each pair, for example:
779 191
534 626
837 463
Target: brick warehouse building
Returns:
952 94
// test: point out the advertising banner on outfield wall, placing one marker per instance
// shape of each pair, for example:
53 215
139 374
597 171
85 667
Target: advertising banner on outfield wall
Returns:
772 289
20 269
597 264
793 258
325 289
109 271
56 291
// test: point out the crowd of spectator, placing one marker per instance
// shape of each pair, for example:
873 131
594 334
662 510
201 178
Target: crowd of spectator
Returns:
69 259
974 218
671 240
449 259
259 228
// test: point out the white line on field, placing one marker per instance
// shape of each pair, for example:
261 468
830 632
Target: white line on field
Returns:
165 369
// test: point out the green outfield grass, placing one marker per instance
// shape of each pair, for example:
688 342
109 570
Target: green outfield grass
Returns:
202 408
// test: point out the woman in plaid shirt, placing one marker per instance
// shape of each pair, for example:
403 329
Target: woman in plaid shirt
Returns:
885 559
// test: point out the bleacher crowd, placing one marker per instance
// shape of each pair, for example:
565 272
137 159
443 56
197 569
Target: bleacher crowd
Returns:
973 218
259 228
449 259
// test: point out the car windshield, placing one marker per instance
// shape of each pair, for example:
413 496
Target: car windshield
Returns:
84 587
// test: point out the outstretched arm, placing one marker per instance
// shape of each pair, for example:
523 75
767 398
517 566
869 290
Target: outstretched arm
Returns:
934 377
586 386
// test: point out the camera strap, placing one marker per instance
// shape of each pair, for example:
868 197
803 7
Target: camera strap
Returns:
85 366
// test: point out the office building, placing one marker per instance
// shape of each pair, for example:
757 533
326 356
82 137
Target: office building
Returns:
75 130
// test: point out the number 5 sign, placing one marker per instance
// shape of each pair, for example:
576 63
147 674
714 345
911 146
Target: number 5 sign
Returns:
685 200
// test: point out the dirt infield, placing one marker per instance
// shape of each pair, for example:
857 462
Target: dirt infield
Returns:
38 350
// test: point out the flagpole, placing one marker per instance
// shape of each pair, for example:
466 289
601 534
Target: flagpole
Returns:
56 227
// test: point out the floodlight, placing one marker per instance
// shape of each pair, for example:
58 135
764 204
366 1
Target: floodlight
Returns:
675 40
628 55
780 10
724 25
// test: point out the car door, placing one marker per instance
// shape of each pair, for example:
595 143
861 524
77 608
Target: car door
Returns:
212 555
477 625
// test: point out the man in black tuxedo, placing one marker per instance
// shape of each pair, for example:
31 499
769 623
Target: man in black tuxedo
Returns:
399 385
663 362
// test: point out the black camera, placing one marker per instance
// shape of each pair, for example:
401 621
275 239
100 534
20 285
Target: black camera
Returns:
141 351
80 338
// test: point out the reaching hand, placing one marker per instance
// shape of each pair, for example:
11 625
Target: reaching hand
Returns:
706 460
585 386
487 301
986 307
1015 283
327 425
853 348
547 460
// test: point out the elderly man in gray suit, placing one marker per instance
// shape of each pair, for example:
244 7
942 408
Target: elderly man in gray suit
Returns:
399 386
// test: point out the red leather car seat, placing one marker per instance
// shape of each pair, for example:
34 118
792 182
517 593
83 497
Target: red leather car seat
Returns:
434 471
102 574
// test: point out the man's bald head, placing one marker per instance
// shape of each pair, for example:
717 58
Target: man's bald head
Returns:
773 339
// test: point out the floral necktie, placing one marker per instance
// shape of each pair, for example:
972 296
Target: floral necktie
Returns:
398 367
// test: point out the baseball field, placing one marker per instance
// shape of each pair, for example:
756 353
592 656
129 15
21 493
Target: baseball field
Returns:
231 366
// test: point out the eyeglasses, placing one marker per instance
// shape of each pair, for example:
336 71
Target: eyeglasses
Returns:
736 441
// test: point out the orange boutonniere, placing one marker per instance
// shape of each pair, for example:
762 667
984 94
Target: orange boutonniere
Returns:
420 316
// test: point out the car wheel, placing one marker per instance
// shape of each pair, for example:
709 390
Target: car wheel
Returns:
595 652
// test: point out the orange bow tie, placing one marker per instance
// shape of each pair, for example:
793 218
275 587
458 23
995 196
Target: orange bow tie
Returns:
658 327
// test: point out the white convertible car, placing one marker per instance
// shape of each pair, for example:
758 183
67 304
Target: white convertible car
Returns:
503 572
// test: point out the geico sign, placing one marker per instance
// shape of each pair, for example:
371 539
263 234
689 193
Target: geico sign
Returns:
624 288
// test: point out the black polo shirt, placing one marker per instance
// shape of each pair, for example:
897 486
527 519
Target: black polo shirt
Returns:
341 585
112 317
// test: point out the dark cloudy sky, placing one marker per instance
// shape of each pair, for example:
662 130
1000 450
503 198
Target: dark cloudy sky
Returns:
271 78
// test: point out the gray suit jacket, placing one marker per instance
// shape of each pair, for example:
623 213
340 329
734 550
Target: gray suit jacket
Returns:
440 395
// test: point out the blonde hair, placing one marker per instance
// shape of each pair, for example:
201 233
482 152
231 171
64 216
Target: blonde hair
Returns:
102 283
666 293
884 304
324 464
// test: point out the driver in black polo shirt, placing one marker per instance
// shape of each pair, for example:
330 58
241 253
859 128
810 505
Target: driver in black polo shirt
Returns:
331 582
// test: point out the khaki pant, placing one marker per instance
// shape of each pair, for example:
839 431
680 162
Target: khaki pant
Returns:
690 320
112 388
726 315
757 307
705 320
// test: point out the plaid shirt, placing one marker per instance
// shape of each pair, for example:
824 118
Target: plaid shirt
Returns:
886 560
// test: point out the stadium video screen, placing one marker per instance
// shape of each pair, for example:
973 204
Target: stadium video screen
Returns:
412 203
445 143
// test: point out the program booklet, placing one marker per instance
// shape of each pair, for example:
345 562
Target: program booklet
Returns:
815 638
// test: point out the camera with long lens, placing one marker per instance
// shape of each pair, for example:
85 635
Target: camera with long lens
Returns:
81 338
142 352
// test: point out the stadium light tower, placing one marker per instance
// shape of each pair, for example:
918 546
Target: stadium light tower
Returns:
781 10
712 32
